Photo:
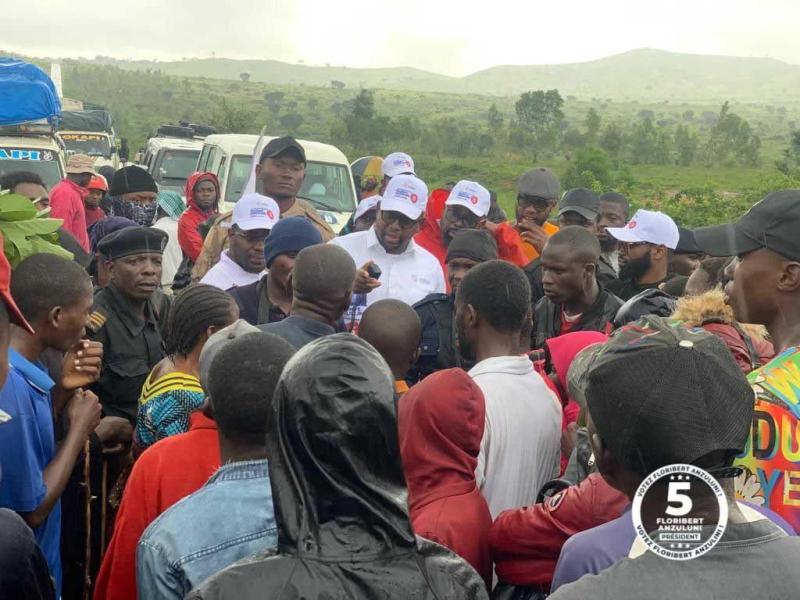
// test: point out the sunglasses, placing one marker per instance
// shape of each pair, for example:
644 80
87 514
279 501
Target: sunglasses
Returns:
390 217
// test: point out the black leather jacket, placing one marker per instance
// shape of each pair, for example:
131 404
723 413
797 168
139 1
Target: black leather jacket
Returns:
598 317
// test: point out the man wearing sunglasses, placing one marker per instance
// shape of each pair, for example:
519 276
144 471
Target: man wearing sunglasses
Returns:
537 193
646 244
243 262
406 271
467 207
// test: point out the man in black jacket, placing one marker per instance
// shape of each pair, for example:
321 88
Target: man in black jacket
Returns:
579 207
438 345
574 300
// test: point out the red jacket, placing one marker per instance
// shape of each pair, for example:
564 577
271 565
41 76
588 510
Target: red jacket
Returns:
66 202
509 244
440 422
526 542
562 351
165 473
189 237
735 342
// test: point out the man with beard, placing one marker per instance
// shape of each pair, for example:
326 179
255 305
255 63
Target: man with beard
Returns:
405 271
614 209
520 447
438 348
647 243
243 262
573 301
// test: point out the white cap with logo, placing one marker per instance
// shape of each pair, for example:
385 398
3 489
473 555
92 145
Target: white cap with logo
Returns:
405 194
366 205
396 164
471 195
648 226
254 211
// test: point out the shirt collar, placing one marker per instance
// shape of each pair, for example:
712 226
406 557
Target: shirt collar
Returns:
132 322
372 242
243 469
197 420
33 373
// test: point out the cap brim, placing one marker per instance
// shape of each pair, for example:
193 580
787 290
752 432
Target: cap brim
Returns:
14 314
473 208
624 234
298 152
582 211
252 224
401 207
724 240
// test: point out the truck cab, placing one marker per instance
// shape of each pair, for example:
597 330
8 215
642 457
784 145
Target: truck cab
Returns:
40 153
99 145
170 160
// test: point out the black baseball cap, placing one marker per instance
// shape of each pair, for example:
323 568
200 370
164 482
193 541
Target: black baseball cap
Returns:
281 145
687 243
660 392
582 201
772 223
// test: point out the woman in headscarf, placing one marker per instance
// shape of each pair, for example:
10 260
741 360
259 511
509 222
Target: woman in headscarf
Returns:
170 208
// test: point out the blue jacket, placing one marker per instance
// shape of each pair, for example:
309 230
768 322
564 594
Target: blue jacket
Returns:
229 518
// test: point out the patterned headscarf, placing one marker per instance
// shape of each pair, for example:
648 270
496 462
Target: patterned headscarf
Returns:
171 203
141 214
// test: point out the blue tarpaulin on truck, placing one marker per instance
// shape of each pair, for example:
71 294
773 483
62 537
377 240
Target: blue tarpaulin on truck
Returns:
26 93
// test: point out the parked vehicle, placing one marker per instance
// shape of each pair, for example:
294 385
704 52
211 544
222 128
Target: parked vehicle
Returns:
171 156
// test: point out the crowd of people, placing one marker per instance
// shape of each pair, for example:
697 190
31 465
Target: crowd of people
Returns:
438 402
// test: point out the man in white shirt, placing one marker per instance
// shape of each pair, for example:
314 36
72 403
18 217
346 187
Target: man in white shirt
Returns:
408 272
243 262
521 441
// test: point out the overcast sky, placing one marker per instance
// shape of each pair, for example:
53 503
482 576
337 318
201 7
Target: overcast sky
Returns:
446 36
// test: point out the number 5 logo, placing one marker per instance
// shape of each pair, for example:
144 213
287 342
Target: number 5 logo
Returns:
674 496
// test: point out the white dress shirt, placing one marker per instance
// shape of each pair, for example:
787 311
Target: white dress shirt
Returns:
226 274
409 276
521 445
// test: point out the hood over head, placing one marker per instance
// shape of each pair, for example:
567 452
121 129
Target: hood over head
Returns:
441 421
334 461
564 348
192 182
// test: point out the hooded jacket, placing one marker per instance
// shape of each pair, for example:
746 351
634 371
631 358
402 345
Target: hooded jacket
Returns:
188 225
562 350
598 317
339 492
526 542
747 343
441 423
509 244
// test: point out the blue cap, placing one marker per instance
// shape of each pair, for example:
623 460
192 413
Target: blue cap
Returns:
291 234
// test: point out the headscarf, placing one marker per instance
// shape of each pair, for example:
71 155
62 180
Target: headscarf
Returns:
171 203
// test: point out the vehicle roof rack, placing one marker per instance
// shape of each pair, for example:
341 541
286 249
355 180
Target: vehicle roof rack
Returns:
175 131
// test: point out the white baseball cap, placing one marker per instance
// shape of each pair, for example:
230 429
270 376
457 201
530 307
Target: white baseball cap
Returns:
254 211
396 164
405 194
471 195
648 226
366 205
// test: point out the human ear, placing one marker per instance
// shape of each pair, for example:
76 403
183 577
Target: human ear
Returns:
789 278
54 316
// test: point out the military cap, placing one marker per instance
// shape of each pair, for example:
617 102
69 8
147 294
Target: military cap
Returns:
133 240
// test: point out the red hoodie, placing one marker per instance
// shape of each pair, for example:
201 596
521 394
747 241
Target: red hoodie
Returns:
509 244
189 237
165 473
441 421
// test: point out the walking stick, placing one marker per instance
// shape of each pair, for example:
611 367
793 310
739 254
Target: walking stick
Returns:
104 500
87 577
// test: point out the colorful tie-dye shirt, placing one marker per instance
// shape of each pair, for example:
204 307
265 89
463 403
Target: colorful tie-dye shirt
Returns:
772 456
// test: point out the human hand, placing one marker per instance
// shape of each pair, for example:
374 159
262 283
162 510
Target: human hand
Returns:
81 365
83 410
533 234
363 283
115 433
